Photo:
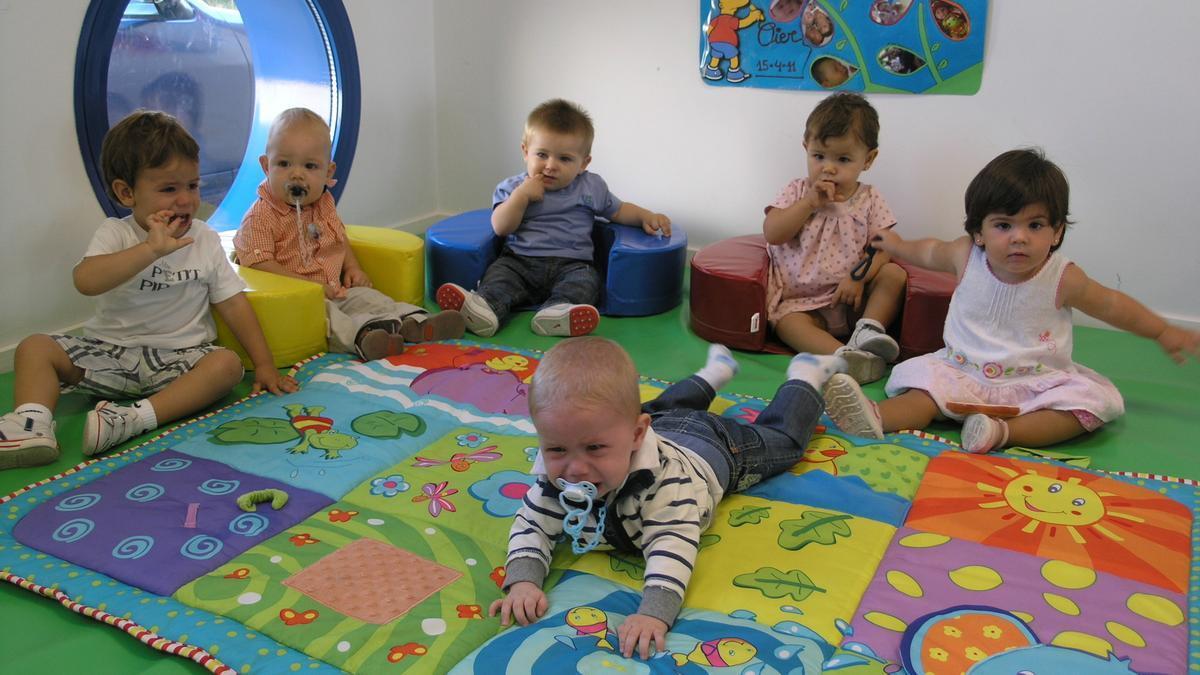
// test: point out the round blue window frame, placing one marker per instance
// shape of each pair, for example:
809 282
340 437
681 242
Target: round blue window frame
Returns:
94 51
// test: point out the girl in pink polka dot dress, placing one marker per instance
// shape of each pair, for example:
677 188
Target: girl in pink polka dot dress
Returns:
817 229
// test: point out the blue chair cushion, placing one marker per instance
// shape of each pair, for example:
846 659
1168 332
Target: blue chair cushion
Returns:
642 274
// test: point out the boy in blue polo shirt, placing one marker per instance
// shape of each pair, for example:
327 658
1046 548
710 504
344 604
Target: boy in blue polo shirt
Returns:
546 213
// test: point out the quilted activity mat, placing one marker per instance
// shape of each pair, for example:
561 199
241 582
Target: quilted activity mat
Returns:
360 525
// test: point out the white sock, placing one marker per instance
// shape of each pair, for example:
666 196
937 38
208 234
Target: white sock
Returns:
720 367
146 415
815 369
39 413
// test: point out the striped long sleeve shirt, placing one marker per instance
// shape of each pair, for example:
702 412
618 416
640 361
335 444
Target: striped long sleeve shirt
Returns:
666 502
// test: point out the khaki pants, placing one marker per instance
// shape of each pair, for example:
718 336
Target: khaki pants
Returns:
361 305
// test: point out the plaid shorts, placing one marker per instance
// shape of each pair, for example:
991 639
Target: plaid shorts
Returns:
113 372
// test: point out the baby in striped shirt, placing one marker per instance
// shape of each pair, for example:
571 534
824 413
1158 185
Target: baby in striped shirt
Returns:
617 474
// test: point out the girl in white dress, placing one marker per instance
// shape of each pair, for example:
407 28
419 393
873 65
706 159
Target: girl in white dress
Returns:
1006 370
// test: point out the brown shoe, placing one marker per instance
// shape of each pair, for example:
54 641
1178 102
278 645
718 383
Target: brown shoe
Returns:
447 325
378 343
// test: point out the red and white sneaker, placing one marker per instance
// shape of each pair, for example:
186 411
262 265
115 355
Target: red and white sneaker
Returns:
565 320
478 316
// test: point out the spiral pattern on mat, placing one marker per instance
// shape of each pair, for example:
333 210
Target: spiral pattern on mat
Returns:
201 547
132 548
79 502
218 486
73 530
146 492
249 524
172 464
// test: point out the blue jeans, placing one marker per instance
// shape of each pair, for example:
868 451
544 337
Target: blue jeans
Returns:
742 455
515 281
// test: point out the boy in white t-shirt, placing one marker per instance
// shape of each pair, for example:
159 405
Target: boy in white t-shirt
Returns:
154 273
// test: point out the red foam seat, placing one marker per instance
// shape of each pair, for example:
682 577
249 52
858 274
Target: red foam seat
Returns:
728 300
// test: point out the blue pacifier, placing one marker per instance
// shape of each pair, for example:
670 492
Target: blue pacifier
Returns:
576 517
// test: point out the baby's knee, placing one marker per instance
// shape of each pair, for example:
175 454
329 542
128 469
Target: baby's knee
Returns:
39 349
893 273
224 365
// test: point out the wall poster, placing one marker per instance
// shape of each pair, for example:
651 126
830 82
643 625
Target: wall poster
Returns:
870 46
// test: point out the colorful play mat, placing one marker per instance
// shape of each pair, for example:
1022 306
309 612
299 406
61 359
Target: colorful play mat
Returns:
360 524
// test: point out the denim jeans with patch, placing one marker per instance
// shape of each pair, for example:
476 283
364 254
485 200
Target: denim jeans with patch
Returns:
740 454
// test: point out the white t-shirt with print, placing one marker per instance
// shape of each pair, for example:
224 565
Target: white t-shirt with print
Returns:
165 305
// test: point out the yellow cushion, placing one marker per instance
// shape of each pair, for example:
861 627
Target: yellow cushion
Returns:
394 260
290 311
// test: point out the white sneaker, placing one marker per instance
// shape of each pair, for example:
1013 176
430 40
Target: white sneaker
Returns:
565 320
476 313
870 336
862 365
24 443
982 434
107 425
850 409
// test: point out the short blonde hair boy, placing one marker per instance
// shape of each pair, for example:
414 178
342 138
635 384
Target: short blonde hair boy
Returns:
297 117
586 371
561 117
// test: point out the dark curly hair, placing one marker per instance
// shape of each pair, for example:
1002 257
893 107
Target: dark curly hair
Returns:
1014 180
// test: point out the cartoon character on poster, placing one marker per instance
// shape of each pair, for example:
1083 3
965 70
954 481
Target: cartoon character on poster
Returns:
723 40
893 46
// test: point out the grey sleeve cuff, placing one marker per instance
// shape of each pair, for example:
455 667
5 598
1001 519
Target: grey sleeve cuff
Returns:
524 569
660 603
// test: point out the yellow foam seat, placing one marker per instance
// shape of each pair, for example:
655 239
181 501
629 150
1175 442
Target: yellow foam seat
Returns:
292 311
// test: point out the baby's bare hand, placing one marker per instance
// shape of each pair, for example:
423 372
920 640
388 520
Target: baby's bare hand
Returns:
162 228
822 194
657 223
534 188
884 239
335 291
525 602
646 634
1179 343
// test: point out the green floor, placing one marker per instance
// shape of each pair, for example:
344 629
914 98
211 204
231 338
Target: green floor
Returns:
1157 435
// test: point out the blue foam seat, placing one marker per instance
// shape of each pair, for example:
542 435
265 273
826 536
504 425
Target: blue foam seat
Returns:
642 274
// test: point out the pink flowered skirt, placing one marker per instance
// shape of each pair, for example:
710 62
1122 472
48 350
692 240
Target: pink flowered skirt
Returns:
1080 390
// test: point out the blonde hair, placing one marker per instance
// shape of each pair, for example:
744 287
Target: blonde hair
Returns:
586 371
562 117
297 117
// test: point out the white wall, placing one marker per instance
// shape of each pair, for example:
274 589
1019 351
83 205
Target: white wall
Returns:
50 210
1114 107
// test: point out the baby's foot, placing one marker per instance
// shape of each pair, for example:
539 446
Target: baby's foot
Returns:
720 367
378 343
446 325
862 365
850 409
815 369
981 433
476 313
870 336
565 320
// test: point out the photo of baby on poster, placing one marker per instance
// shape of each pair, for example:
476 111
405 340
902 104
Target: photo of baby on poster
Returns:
896 46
